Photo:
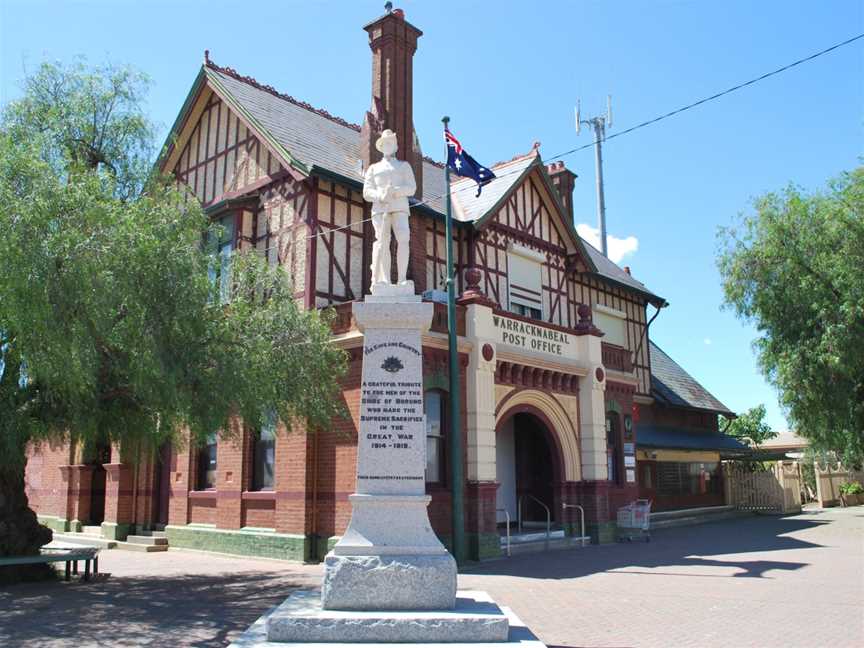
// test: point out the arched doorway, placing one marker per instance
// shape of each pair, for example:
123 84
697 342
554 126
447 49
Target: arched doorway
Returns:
528 466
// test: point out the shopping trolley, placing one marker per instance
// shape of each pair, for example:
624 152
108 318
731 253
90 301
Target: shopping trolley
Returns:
634 521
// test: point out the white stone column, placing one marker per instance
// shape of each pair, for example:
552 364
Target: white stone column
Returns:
480 405
592 413
389 558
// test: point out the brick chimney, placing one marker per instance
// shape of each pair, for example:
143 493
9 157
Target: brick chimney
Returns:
564 180
393 41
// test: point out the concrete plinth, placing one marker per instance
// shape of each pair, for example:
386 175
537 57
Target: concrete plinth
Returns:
475 618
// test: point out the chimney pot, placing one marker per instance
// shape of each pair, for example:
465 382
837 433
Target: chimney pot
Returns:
627 269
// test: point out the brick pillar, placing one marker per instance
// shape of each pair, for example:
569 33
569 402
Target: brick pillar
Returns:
481 527
118 500
593 496
229 482
80 480
181 480
292 483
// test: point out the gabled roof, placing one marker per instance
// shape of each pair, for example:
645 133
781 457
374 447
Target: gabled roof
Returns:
311 141
671 385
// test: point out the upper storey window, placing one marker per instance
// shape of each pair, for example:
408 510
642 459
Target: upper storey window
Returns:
220 244
613 323
523 280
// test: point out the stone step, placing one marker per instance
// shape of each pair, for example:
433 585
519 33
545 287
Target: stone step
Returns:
699 518
147 548
518 538
689 512
85 540
541 546
94 530
147 539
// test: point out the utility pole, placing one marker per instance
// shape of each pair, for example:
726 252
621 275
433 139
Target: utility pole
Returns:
599 125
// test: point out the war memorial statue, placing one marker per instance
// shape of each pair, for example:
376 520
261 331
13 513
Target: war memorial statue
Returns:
389 579
388 185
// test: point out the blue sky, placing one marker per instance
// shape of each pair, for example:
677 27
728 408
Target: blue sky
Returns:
509 73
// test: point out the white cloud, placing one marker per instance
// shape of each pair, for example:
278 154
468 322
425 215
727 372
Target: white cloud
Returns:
707 341
618 248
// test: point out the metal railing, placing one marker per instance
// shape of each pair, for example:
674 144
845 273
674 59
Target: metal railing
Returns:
565 506
507 518
548 515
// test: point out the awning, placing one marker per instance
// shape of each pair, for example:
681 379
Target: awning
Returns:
674 438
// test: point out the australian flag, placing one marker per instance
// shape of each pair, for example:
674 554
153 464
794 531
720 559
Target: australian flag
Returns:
463 164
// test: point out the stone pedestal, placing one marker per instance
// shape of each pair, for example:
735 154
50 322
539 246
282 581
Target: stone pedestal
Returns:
389 557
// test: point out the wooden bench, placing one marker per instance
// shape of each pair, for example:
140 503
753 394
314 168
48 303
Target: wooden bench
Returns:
70 556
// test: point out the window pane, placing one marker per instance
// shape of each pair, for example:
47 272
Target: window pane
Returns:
433 407
263 469
207 464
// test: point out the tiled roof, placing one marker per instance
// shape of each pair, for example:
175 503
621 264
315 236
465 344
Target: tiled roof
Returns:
317 139
672 385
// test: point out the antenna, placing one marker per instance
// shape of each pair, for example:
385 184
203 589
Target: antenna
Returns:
578 117
598 124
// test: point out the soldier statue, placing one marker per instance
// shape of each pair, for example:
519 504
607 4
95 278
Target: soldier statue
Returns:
388 185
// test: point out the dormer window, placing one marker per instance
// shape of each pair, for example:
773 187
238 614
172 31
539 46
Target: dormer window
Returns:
523 280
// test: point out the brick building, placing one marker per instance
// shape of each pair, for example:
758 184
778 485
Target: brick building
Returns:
566 400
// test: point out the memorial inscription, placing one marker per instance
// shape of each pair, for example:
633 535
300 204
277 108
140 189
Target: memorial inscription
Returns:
392 425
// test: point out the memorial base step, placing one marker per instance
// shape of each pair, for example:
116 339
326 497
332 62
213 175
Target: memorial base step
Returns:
476 622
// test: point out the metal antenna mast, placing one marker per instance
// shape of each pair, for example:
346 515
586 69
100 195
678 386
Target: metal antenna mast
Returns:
599 125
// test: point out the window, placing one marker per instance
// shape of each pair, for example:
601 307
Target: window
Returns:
220 244
613 447
526 311
207 464
264 456
613 323
433 407
523 280
688 478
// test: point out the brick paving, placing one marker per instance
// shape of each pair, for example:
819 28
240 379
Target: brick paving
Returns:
793 582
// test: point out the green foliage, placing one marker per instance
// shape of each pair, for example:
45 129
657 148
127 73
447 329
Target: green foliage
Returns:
852 488
793 269
751 428
109 328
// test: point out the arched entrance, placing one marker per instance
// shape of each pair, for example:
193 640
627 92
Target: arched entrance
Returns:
528 466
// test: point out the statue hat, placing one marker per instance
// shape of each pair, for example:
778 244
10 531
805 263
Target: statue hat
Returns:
386 135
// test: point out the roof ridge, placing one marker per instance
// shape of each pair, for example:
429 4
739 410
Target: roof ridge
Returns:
234 74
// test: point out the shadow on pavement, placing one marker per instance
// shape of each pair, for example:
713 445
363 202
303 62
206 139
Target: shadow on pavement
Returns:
195 610
671 548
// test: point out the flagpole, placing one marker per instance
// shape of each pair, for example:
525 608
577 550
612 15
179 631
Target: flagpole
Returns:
457 484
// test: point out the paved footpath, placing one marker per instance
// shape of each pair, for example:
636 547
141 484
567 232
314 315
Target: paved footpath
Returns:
786 582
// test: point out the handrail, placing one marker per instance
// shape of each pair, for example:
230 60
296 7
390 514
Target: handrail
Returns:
565 506
507 518
548 515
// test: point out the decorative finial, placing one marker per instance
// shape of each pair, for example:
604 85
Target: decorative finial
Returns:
388 7
206 56
536 145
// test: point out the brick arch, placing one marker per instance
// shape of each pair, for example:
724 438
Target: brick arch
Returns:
562 433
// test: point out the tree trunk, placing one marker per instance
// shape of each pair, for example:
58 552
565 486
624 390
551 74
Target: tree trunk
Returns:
20 532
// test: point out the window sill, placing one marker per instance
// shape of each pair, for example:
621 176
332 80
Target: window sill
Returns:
208 494
266 495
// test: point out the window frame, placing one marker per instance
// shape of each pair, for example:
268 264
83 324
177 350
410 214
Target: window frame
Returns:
614 448
203 468
441 444
256 483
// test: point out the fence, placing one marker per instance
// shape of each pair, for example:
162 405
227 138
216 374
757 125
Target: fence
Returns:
772 490
828 480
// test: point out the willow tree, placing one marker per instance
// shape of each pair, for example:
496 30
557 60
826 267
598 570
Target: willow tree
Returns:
794 269
111 325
